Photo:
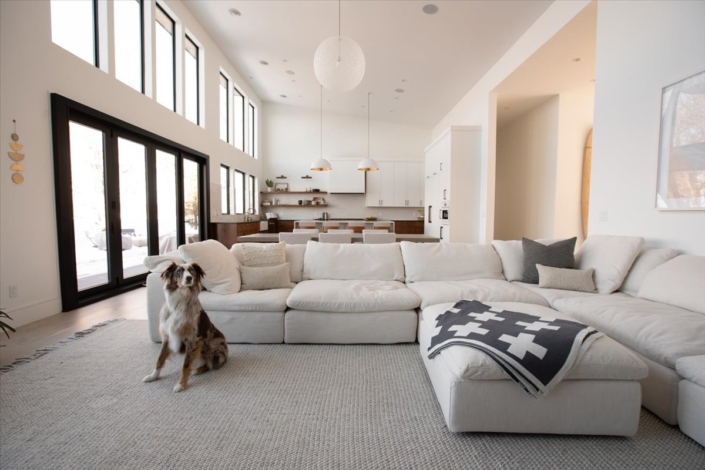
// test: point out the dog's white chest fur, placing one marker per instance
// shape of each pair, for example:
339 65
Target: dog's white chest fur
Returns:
178 317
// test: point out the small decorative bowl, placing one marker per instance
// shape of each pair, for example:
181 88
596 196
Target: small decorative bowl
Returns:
369 217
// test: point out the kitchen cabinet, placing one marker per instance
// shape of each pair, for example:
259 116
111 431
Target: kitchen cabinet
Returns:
345 178
227 232
409 227
396 184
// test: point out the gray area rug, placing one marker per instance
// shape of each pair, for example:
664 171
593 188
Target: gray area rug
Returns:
83 405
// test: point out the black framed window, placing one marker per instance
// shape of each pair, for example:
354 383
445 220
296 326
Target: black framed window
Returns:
225 189
191 81
240 191
239 118
128 21
253 131
74 26
165 59
252 195
224 109
122 193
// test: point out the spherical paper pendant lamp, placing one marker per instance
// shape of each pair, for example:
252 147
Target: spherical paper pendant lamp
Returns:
339 63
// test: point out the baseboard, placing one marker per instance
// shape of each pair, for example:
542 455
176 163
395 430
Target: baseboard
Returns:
33 312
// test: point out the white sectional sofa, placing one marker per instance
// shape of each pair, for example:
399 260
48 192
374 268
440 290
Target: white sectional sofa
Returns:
382 293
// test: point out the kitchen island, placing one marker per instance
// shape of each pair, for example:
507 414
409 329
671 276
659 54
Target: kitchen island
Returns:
356 238
369 224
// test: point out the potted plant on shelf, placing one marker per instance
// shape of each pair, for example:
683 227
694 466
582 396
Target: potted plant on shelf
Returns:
4 326
270 185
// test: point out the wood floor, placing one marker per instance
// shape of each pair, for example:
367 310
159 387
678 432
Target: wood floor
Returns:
29 338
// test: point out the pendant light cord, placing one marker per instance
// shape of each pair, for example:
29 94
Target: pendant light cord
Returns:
338 33
321 121
368 124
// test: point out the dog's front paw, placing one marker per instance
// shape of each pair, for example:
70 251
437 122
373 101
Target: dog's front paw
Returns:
150 378
178 388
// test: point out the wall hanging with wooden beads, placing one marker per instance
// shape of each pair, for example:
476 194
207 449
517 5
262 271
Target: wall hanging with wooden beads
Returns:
17 176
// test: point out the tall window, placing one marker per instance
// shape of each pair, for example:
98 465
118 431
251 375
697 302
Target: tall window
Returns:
251 197
74 27
223 99
239 192
165 63
239 118
128 42
253 131
191 85
225 189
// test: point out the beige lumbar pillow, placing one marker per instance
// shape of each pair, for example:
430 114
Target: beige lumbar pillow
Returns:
566 279
268 277
259 255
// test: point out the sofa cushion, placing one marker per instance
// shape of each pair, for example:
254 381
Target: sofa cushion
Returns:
660 332
484 290
450 262
551 295
604 360
679 282
294 256
512 255
555 255
158 263
246 301
221 267
352 296
566 279
611 257
692 368
265 277
353 262
647 261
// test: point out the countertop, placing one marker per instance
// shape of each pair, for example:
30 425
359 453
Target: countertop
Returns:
356 237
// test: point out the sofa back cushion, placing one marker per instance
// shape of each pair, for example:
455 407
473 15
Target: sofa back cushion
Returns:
221 267
611 257
679 282
450 262
646 262
512 255
294 256
353 262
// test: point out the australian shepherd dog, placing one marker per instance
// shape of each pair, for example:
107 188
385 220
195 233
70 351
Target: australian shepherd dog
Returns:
185 328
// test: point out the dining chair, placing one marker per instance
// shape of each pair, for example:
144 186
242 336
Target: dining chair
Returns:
376 237
335 238
291 238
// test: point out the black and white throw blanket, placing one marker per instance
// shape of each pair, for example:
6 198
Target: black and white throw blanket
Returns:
536 352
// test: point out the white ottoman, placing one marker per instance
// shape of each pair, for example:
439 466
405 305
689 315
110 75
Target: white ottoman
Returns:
691 397
600 396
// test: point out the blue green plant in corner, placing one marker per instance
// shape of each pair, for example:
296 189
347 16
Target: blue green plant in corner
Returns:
4 326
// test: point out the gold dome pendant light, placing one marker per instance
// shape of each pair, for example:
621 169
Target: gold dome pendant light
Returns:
321 164
368 164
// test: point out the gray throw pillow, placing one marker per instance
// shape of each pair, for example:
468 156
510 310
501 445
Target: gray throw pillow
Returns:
556 255
566 279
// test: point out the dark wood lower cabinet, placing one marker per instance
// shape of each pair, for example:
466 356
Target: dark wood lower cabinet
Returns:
285 226
227 233
408 227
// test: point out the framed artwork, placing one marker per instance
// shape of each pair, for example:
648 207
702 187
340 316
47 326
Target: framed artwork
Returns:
681 157
281 186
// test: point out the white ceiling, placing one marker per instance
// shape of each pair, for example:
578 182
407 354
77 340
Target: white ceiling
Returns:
436 59
552 69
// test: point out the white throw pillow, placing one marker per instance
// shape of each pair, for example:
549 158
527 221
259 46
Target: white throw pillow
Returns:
259 255
265 278
158 263
679 282
512 255
450 262
647 261
221 267
611 257
353 262
294 256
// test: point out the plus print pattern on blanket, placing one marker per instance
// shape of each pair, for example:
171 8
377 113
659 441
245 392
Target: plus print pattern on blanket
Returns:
536 352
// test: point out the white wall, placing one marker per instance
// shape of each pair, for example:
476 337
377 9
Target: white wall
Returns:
32 67
526 174
641 48
539 169
478 106
291 141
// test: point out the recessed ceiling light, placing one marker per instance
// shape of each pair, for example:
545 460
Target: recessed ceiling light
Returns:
362 106
290 72
250 78
234 12
293 81
577 59
391 111
300 96
328 101
263 62
403 80
507 107
399 90
396 97
283 96
286 60
430 9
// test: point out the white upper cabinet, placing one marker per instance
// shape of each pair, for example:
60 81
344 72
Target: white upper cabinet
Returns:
396 184
346 178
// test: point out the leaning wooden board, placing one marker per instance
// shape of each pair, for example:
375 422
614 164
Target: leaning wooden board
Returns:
585 199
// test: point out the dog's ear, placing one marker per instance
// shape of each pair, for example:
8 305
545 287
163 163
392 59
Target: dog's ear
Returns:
198 270
166 274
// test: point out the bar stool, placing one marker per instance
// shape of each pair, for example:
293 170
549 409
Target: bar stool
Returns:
307 224
356 227
382 226
327 226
